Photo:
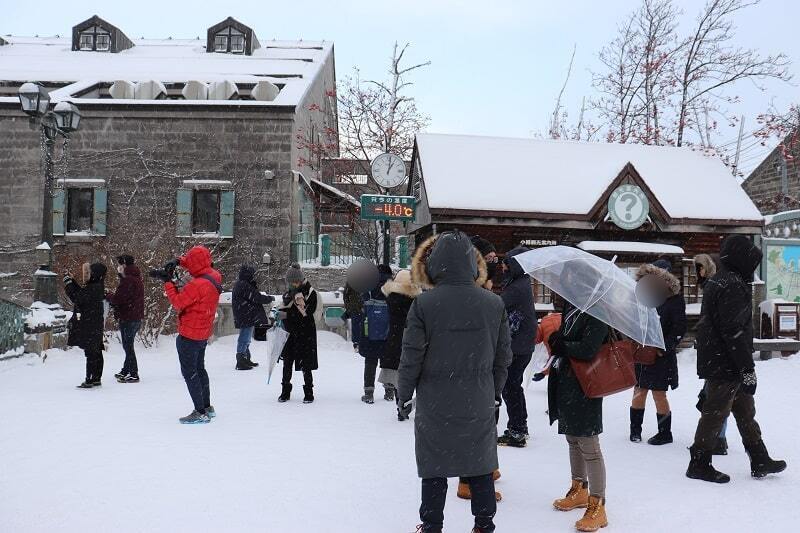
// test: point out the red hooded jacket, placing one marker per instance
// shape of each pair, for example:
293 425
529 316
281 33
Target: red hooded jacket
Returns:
197 302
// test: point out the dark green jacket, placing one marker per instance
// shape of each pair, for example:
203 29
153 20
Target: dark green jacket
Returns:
577 415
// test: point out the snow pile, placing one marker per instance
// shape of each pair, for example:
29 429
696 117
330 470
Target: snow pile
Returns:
338 465
43 315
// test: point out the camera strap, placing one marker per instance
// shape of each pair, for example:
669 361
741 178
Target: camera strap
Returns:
211 280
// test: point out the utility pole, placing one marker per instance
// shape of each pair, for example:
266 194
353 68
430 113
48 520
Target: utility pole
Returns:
735 167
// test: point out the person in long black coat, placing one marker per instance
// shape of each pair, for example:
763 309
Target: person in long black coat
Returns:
663 374
299 305
88 320
400 293
248 313
372 350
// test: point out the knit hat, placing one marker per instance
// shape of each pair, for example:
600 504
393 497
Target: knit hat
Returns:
483 246
125 259
663 264
295 274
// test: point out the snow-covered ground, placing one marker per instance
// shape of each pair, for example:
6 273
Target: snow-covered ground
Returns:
116 459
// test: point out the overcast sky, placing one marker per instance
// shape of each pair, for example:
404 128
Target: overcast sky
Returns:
496 66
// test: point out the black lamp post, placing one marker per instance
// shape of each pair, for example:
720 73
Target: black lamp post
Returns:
62 120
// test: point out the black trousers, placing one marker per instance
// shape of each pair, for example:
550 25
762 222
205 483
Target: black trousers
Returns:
288 367
370 371
434 494
514 394
94 365
722 399
128 330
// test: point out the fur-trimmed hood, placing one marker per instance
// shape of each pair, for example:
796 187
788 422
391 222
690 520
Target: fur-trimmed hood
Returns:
671 283
419 271
401 284
708 264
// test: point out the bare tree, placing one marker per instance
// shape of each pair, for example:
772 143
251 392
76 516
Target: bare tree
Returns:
708 63
784 126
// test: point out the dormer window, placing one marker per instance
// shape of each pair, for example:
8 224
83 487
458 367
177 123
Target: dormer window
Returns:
96 39
229 40
231 37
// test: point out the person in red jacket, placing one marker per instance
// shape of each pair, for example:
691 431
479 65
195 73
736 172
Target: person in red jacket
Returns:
128 305
196 304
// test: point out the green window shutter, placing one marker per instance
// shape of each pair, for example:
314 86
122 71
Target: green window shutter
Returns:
100 210
183 208
226 205
59 210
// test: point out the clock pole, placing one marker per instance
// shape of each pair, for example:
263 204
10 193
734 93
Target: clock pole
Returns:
386 243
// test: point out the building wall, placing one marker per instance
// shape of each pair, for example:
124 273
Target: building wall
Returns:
764 184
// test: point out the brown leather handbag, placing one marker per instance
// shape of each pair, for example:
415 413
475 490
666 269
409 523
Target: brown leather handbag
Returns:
609 372
646 355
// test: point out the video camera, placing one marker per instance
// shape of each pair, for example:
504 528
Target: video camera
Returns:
167 272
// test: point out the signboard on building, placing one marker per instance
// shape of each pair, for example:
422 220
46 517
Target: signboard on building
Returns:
386 207
628 206
783 271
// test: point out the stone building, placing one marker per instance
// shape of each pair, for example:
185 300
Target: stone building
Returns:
774 185
182 141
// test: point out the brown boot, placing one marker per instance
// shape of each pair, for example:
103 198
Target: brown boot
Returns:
577 497
496 474
466 494
595 516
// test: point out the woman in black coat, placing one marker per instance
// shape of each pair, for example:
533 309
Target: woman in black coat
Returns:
663 374
248 312
88 320
400 294
299 306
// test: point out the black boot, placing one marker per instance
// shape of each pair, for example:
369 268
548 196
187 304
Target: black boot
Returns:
721 448
242 363
761 463
664 435
388 393
637 417
308 394
250 358
700 467
286 392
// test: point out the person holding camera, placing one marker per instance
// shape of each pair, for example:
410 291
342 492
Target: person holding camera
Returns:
88 318
300 351
196 304
128 305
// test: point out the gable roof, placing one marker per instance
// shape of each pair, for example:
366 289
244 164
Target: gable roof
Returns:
514 175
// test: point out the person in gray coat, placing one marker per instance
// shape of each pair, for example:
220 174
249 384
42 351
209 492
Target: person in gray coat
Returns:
456 351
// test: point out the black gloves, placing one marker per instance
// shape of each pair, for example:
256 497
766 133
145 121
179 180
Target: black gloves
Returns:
556 342
68 279
167 273
404 408
749 382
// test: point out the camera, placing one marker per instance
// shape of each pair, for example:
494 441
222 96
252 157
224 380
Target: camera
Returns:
166 273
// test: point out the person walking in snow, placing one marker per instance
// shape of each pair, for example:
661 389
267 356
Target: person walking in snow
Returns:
88 320
300 351
580 418
400 293
128 305
196 304
725 361
376 330
489 253
248 313
665 290
706 266
456 352
517 296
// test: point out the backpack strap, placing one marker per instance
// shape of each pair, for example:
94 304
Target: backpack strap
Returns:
211 280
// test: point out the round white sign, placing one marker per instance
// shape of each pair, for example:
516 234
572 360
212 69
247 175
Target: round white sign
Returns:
628 206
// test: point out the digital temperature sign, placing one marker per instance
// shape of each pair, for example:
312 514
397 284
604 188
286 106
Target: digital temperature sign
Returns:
383 207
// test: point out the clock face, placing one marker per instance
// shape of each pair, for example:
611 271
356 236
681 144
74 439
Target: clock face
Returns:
388 170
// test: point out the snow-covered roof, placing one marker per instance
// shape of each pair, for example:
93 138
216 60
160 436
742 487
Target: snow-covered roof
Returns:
793 214
630 247
294 64
568 177
337 192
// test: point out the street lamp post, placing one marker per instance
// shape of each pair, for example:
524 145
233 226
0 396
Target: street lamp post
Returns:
62 120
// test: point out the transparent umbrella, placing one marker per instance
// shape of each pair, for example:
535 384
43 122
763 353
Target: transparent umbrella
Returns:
595 286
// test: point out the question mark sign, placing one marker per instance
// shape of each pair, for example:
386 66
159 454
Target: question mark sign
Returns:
632 201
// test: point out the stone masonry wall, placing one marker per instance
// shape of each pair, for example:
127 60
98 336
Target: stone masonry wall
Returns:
764 183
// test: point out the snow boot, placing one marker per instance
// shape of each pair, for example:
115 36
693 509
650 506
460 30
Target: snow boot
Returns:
595 516
369 395
664 435
496 475
308 394
761 464
86 385
195 418
465 493
700 467
250 358
637 417
286 393
513 439
422 528
242 363
388 393
577 497
210 412
721 447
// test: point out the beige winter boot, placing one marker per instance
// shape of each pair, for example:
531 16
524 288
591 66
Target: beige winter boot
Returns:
595 516
577 497
466 494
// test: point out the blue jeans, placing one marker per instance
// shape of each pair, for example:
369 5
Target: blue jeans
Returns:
245 336
128 330
192 355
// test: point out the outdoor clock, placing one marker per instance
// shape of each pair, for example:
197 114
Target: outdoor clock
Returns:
388 170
